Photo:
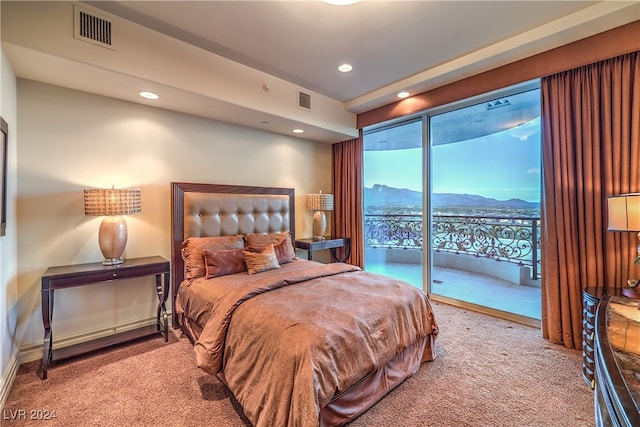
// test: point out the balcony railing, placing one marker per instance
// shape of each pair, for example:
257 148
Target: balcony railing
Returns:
509 239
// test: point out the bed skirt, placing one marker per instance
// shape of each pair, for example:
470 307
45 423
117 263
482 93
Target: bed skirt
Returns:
363 395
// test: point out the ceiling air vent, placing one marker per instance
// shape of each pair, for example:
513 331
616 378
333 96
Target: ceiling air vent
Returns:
91 28
304 100
497 104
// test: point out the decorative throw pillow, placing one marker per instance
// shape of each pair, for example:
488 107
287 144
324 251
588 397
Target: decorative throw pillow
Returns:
282 252
263 261
193 255
286 252
221 263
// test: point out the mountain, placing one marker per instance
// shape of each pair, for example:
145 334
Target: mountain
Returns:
471 200
384 195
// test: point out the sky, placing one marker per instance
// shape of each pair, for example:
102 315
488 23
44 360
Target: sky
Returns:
500 166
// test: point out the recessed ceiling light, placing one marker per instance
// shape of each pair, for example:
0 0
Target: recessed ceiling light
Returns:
345 68
298 131
149 95
402 94
341 2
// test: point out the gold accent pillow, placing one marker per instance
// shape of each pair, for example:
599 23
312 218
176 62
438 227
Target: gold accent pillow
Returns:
263 261
282 253
281 242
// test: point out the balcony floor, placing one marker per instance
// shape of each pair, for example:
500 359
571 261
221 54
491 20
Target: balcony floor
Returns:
477 289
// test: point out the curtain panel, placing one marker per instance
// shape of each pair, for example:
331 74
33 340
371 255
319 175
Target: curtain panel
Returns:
347 190
590 150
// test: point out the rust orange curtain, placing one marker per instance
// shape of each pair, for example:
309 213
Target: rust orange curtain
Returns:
590 150
347 196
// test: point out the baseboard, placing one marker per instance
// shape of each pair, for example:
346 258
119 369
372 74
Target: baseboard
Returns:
6 381
34 351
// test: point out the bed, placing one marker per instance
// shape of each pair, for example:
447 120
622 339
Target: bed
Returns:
297 342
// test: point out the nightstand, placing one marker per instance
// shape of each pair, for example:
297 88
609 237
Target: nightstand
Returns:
69 276
331 243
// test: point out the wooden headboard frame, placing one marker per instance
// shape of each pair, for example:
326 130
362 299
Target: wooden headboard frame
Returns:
213 192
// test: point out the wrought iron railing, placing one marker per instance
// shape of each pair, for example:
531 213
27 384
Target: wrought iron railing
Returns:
509 239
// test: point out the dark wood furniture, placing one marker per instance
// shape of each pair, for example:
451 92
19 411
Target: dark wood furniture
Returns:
69 276
331 243
617 362
591 297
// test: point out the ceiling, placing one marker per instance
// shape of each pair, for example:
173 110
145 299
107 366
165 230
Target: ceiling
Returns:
392 46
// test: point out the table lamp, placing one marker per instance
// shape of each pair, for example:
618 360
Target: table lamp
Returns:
112 204
624 215
319 203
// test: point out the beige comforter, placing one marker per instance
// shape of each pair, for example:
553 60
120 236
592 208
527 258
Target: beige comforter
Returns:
286 341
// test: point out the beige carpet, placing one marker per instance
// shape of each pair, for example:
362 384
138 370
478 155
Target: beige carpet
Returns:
489 372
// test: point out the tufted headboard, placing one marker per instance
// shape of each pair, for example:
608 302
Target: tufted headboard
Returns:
203 210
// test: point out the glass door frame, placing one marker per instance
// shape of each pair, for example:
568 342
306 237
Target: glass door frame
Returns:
427 196
419 137
427 187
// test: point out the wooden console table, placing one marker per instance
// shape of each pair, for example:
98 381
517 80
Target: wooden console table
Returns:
70 276
331 243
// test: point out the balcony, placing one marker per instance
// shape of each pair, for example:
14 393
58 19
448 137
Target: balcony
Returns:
492 261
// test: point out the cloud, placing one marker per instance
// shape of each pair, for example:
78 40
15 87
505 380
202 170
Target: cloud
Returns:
533 171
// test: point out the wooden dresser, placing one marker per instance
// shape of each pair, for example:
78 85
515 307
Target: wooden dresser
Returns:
591 297
617 362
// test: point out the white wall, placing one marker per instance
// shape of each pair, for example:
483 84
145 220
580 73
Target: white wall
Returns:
9 341
72 140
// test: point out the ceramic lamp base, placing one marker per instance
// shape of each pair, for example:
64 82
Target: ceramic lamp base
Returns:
319 225
633 293
112 237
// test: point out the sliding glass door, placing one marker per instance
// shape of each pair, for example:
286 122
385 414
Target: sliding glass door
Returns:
485 203
393 202
474 238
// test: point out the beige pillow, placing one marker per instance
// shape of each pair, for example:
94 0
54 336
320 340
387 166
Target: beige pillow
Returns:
193 252
282 252
263 261
281 242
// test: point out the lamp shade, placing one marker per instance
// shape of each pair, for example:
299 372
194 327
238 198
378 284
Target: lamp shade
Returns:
624 215
624 212
320 202
112 204
113 201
